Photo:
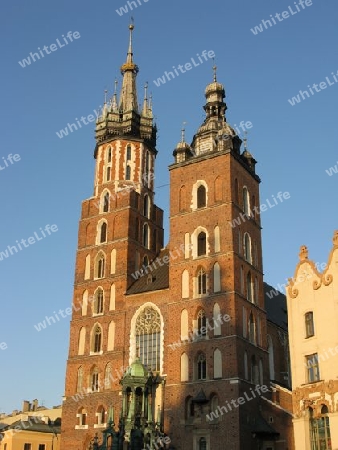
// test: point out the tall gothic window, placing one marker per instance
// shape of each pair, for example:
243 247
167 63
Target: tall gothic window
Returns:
201 367
201 282
106 202
201 197
95 379
109 155
103 232
79 385
98 304
247 248
320 434
202 444
128 173
201 244
97 339
148 338
100 267
108 173
128 152
246 201
201 323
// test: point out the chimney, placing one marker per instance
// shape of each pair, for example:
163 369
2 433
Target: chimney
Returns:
35 405
25 406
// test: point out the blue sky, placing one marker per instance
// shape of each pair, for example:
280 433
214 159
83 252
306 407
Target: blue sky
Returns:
294 145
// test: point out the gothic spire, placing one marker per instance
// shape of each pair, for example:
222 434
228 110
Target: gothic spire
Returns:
129 70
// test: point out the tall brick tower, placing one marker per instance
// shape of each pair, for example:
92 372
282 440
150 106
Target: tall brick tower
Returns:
120 229
212 184
173 339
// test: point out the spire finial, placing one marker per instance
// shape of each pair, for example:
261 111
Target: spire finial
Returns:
115 86
105 96
183 132
145 101
145 90
215 72
245 140
130 49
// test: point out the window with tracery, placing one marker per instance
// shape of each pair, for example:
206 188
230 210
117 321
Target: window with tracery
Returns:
148 338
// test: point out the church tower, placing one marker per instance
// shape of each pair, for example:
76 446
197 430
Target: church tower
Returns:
217 285
173 341
119 231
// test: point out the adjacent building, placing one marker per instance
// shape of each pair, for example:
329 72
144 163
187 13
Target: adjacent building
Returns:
312 299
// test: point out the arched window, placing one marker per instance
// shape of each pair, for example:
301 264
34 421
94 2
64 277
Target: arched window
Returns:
82 416
217 278
201 367
202 444
112 297
201 282
247 248
216 317
103 232
148 338
217 363
100 263
111 336
101 416
189 408
214 403
249 288
82 341
98 302
97 339
87 268
183 199
320 433
184 325
106 200
113 261
242 280
201 323
79 384
128 152
217 239
146 208
146 235
94 379
201 197
128 173
107 377
201 244
145 261
184 367
185 284
252 329
109 155
246 201
108 173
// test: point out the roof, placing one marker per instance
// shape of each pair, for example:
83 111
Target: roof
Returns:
34 424
262 427
275 305
154 277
